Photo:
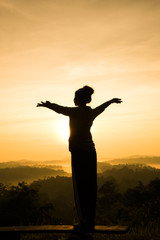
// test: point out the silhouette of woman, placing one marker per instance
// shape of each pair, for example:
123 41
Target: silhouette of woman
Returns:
83 153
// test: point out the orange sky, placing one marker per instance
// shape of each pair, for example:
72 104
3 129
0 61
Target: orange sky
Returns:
51 48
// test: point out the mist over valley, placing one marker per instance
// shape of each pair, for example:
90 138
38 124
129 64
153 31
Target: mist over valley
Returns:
13 172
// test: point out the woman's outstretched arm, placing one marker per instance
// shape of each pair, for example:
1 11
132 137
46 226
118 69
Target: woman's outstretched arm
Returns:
55 107
98 110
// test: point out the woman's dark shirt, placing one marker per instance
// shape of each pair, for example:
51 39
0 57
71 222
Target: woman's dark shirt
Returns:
80 122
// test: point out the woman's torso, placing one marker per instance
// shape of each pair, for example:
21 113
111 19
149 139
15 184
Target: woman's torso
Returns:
81 121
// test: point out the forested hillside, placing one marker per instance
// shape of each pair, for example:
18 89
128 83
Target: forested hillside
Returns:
27 174
126 195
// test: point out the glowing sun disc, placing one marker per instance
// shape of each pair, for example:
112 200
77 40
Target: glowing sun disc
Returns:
63 129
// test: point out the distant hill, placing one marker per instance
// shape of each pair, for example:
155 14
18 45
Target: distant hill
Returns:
102 166
28 174
55 164
151 161
13 172
140 160
128 175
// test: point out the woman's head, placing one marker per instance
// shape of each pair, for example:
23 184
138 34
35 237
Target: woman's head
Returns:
83 95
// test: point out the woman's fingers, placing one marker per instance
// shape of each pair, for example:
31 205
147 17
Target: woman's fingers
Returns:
40 104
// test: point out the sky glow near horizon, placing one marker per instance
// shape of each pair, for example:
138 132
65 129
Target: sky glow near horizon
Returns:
51 48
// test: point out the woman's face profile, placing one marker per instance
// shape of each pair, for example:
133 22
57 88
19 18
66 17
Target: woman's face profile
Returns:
75 101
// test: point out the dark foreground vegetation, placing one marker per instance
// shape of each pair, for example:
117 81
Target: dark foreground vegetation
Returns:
127 195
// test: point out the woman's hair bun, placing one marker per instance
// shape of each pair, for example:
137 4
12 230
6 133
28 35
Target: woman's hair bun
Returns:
88 90
83 95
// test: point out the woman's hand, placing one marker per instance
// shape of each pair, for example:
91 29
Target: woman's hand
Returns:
44 104
116 100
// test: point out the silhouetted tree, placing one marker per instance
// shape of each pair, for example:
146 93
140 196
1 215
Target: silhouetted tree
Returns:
108 203
21 205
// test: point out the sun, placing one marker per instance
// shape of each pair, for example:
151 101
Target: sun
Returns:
63 129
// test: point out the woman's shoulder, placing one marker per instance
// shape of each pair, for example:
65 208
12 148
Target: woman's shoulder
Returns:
81 110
